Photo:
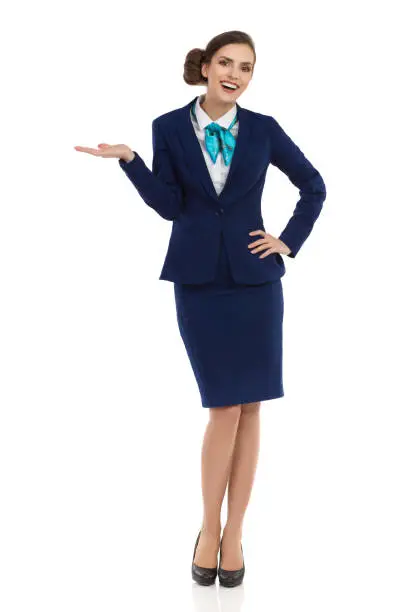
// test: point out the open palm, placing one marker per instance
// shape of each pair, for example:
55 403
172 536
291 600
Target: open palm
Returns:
120 151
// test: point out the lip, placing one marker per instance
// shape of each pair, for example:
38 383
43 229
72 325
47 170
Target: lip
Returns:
232 82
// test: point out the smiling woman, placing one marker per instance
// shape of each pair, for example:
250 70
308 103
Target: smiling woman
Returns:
210 159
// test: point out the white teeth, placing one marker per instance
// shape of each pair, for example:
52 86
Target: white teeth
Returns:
229 85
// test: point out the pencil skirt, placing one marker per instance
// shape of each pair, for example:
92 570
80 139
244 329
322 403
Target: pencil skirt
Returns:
233 336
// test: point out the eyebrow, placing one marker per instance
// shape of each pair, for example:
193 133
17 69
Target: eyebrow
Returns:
231 60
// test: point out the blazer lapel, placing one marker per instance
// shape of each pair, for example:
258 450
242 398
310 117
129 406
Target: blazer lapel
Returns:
195 158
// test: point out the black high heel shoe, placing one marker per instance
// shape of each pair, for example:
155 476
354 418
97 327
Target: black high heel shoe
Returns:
230 578
203 575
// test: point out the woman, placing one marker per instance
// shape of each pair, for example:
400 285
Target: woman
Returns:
209 166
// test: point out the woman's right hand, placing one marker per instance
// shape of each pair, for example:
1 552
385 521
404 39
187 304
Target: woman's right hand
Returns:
119 151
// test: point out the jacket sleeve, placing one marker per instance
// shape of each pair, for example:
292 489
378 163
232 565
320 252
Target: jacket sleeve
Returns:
287 156
158 187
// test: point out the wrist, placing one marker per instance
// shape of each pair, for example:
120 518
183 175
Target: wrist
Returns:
287 250
128 157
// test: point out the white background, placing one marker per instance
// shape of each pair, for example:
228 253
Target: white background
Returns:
101 422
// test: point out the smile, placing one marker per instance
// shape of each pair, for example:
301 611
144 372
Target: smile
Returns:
229 85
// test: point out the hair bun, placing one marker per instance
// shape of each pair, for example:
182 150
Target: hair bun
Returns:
192 67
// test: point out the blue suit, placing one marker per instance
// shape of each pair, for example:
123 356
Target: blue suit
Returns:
179 188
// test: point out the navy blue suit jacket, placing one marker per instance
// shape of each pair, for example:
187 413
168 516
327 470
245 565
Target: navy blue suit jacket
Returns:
179 188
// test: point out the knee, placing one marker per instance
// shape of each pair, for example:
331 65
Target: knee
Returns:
250 408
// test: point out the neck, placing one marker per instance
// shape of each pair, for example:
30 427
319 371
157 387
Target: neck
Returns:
215 108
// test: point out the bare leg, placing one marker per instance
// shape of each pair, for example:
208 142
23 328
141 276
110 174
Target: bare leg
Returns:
243 468
217 450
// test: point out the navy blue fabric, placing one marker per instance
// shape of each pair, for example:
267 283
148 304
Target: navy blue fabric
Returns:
233 337
179 188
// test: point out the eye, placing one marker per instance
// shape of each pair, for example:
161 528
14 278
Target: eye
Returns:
224 62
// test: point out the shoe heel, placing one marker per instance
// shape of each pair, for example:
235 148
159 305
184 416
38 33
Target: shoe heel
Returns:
205 576
231 578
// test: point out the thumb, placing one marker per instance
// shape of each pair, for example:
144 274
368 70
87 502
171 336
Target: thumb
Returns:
103 145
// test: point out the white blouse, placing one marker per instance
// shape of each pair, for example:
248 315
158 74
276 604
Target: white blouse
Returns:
218 171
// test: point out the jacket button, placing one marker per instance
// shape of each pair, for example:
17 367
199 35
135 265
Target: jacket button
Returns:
221 210
217 213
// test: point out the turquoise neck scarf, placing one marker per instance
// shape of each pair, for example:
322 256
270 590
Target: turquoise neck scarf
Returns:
219 138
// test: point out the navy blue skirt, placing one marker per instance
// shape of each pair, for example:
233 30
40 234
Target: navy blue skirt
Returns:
233 337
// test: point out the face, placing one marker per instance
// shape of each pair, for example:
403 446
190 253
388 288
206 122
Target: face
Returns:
233 63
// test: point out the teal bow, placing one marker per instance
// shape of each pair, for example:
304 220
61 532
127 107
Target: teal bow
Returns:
218 137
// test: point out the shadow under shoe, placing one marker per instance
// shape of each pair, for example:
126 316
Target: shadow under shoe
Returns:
203 575
231 578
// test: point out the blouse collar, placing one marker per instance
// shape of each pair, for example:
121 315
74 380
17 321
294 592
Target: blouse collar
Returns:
203 119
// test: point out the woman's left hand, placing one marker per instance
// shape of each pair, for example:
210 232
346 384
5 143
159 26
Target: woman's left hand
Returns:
274 245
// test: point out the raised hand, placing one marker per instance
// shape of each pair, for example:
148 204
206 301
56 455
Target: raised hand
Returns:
120 151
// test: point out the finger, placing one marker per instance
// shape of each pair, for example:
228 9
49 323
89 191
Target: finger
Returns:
268 252
267 245
88 150
103 144
261 241
257 232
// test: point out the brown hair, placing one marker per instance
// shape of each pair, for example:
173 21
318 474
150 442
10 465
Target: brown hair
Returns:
196 57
